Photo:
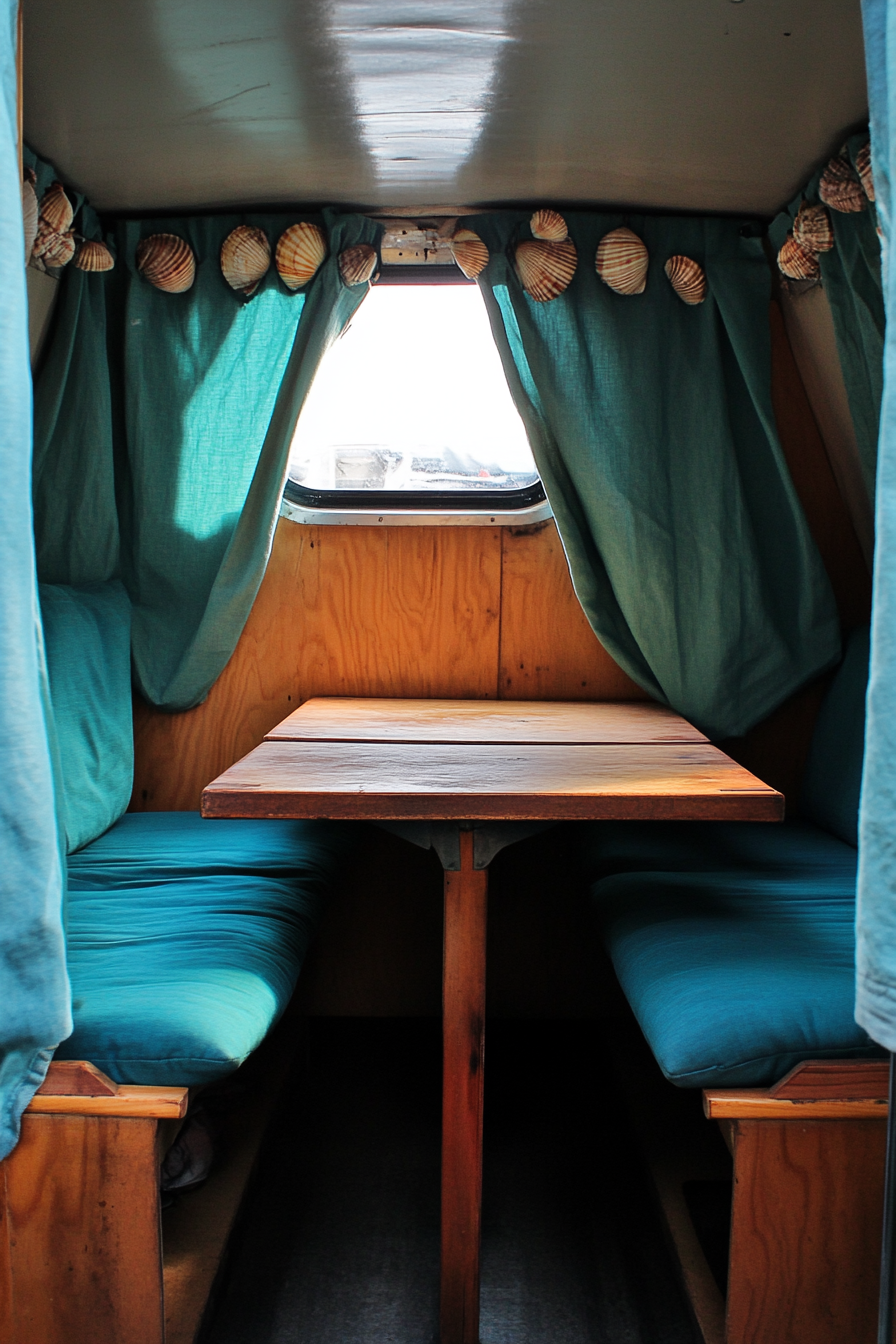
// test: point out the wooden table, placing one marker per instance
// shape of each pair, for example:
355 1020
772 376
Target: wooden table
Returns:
474 763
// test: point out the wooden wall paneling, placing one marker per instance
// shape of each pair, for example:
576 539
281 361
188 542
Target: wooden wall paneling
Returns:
83 1210
402 611
378 951
548 649
806 1231
825 509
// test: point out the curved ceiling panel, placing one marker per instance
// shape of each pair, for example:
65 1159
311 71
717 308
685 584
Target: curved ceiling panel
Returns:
675 104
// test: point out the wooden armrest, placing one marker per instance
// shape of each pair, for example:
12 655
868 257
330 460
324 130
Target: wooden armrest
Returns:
75 1087
817 1089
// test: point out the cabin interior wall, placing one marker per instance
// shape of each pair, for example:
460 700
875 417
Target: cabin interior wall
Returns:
484 612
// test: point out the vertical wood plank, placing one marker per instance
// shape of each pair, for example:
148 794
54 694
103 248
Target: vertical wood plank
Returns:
463 1035
825 509
548 649
83 1211
805 1232
6 1321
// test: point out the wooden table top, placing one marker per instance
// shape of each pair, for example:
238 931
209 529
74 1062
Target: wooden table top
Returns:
517 722
366 778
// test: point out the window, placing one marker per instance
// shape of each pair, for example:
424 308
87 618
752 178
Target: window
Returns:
410 410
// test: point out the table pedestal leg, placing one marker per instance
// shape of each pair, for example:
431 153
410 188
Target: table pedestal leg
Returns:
463 1028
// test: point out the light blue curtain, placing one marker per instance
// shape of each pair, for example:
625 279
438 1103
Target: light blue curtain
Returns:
652 425
876 918
34 990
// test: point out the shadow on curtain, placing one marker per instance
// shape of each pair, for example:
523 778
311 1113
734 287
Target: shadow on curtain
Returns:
652 426
163 427
851 275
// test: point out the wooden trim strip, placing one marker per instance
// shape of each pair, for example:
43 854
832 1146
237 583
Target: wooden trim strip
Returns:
153 1103
759 1104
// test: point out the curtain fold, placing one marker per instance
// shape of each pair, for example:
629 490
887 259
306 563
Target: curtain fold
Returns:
851 275
652 426
194 398
34 989
876 913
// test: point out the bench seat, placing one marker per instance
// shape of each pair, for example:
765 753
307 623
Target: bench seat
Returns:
736 977
791 848
186 937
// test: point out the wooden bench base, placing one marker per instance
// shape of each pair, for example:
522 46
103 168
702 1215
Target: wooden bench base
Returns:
80 1245
807 1195
82 1259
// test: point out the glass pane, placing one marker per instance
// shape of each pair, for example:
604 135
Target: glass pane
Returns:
413 397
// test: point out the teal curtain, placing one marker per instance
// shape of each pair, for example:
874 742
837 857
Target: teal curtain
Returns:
851 275
652 426
34 989
876 912
187 402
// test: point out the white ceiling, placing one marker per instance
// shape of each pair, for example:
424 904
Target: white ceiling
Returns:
675 104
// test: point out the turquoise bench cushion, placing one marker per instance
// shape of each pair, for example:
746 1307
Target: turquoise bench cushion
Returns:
186 937
171 844
87 634
833 776
735 978
793 847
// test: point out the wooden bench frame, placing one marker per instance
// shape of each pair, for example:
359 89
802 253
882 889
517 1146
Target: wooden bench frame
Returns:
807 1204
80 1232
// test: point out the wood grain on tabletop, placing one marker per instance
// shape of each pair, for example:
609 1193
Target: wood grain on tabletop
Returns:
81 1193
460 780
512 721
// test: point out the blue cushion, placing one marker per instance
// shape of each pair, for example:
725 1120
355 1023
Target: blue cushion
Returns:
172 844
186 937
708 846
87 634
833 777
736 978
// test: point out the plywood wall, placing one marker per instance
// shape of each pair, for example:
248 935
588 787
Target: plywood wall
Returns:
467 612
482 612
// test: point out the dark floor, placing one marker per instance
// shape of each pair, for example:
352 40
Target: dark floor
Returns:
340 1241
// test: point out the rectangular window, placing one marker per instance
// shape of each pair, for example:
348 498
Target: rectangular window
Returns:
410 409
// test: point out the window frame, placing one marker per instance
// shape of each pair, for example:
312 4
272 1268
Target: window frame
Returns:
527 504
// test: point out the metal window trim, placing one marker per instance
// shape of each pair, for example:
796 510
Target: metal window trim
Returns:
443 517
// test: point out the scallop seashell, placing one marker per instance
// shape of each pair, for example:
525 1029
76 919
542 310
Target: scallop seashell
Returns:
245 258
299 254
545 269
622 262
52 248
812 228
687 278
30 216
840 188
549 226
863 168
357 264
796 262
469 251
167 262
56 209
94 256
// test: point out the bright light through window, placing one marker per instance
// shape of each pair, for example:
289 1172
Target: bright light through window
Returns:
413 398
